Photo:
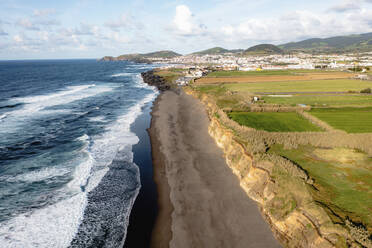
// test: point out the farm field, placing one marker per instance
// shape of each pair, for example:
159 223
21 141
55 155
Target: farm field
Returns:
322 100
270 73
351 120
342 179
317 86
274 122
268 76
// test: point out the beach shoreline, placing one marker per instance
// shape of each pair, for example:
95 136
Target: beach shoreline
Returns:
200 201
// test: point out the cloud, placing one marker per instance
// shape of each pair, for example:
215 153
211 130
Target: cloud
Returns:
83 29
185 24
347 6
43 12
124 21
298 25
18 38
27 24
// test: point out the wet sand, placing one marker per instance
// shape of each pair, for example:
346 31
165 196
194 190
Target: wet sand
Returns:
201 203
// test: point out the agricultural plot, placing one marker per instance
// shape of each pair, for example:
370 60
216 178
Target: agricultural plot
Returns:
351 120
342 180
274 122
312 86
321 100
268 76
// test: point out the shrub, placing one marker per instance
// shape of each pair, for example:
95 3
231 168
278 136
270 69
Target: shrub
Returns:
366 91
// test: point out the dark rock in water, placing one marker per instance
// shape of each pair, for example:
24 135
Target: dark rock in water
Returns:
154 80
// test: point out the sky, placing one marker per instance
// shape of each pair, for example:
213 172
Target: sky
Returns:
44 29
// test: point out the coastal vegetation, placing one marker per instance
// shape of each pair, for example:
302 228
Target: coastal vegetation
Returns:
308 166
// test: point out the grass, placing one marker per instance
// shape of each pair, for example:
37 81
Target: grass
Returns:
322 100
263 73
351 120
248 73
274 122
169 75
342 179
336 85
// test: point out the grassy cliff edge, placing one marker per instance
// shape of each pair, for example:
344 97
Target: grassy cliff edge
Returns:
280 187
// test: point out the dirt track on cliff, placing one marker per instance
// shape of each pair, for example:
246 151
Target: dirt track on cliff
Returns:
201 201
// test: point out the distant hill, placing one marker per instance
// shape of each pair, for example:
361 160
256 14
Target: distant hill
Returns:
162 54
217 51
263 49
142 57
350 43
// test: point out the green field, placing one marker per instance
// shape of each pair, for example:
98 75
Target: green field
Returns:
351 120
336 85
262 73
274 122
322 100
342 179
248 73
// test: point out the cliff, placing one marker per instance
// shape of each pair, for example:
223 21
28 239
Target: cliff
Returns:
279 187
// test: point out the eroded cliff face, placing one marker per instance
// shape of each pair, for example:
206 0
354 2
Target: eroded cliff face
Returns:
280 189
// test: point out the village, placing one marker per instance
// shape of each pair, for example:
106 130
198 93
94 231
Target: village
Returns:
197 66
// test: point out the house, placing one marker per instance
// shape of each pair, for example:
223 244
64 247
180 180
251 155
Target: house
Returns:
362 77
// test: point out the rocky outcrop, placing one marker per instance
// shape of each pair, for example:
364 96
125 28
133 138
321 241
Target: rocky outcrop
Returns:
279 187
154 80
134 59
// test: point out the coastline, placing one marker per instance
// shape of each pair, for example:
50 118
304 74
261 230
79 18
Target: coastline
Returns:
162 233
144 209
201 203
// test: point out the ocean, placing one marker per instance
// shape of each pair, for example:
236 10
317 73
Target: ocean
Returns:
67 172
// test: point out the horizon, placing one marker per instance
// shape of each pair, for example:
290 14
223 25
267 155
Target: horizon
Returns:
93 29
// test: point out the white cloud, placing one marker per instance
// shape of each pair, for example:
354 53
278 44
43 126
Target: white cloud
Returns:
43 12
124 21
299 25
183 19
18 38
347 6
184 22
27 24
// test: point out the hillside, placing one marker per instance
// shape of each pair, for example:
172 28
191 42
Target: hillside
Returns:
263 49
350 43
162 54
142 58
216 51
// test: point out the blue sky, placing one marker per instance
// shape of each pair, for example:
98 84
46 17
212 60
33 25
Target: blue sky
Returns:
40 29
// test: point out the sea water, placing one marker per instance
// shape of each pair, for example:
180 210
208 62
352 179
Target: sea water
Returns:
67 177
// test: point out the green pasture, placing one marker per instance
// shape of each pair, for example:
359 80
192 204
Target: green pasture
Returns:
263 73
351 120
273 121
322 100
334 85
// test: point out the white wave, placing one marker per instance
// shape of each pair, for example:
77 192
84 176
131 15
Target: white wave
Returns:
41 98
53 226
38 105
97 119
57 224
124 74
3 116
41 175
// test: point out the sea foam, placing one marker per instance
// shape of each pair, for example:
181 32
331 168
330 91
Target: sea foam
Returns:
56 225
